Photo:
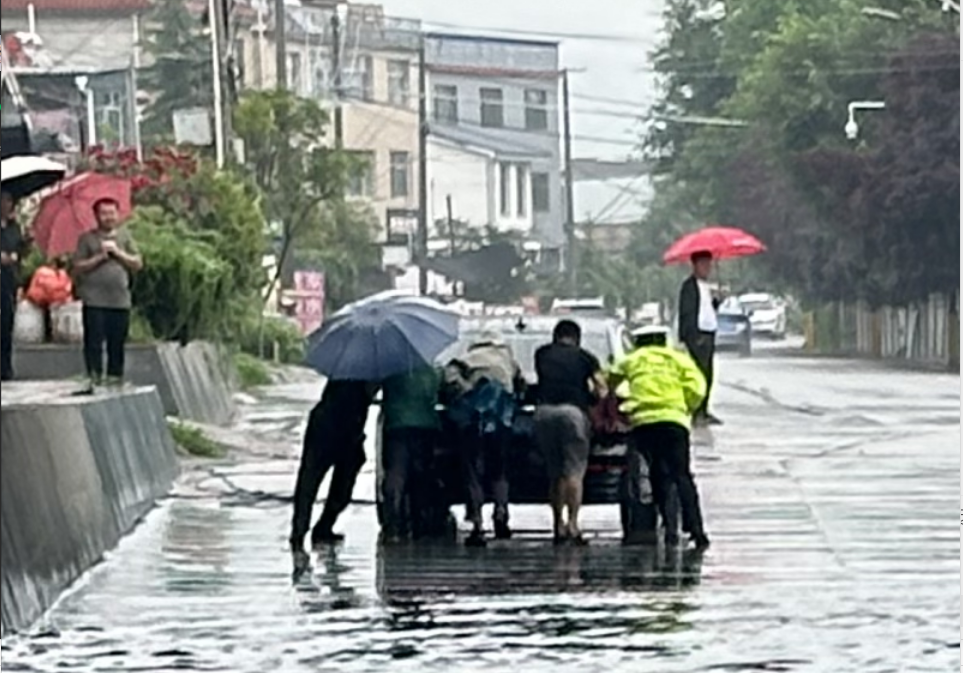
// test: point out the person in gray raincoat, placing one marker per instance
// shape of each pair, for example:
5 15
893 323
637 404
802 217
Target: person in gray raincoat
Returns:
480 390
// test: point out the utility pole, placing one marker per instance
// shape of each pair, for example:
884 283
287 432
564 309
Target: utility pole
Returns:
280 46
423 130
228 85
571 238
451 225
338 80
215 26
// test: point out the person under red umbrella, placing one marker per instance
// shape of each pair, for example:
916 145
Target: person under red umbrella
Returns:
67 212
698 324
698 302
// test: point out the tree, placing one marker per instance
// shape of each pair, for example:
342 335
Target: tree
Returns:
303 181
791 175
880 223
180 75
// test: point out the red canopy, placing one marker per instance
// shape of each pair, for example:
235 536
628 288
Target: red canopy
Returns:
68 210
720 242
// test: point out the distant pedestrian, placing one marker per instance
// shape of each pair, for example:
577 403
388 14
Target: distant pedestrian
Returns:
12 247
661 388
410 426
334 439
482 388
570 383
103 266
698 324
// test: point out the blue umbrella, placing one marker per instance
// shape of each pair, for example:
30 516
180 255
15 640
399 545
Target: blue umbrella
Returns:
382 336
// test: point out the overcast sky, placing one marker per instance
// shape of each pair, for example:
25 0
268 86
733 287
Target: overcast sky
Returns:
616 65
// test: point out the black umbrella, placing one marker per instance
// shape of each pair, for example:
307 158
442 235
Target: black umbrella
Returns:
24 175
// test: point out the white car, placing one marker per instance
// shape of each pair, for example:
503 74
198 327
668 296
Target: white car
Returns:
767 313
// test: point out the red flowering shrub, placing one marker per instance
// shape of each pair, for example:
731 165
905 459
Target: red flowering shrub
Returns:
155 179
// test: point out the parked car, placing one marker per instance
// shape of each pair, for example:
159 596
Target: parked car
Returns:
767 314
615 475
735 329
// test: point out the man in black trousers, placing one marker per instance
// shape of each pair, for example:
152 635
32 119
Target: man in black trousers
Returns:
334 439
12 243
698 323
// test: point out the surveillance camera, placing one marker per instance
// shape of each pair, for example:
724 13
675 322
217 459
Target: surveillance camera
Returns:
852 130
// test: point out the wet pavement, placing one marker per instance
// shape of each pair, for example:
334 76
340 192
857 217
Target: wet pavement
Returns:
829 493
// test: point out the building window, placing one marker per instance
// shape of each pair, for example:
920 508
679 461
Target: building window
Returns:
536 110
505 188
521 190
492 108
541 202
400 169
295 79
399 83
361 179
319 64
109 106
445 104
358 82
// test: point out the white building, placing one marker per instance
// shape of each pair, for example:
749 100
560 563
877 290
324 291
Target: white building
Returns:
487 179
494 129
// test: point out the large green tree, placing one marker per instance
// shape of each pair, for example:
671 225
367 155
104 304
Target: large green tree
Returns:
303 180
792 67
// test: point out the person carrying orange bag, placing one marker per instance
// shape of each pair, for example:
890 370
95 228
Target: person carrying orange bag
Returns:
51 285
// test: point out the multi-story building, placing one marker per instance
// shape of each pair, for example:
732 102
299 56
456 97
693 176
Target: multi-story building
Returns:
494 148
56 45
377 94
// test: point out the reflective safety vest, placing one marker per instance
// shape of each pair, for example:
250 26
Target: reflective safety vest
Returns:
659 384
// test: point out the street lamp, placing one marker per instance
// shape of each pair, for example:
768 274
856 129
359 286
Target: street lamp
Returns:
852 127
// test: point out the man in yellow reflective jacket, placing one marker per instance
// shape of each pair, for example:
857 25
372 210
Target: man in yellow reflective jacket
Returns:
661 388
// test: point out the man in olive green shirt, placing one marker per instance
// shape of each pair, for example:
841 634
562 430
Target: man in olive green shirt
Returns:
410 429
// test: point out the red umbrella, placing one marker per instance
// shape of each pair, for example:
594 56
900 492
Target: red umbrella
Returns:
67 211
721 242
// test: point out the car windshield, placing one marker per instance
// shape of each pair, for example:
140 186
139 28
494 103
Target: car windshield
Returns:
759 305
524 345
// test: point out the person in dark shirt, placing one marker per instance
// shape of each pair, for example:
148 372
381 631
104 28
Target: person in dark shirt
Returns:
334 439
698 324
569 383
12 247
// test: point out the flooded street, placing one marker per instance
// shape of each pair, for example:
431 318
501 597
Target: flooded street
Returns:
829 494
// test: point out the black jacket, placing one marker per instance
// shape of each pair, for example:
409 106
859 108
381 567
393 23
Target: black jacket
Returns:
11 241
689 307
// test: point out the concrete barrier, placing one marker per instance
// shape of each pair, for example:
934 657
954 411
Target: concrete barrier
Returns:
76 475
195 381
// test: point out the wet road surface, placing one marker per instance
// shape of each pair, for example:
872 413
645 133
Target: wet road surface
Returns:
830 494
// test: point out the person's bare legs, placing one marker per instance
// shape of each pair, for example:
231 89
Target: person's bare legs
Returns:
558 508
574 490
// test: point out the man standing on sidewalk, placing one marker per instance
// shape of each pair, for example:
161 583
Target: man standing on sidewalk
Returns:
12 244
105 259
698 324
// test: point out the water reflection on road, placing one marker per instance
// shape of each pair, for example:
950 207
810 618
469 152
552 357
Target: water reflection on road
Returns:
830 492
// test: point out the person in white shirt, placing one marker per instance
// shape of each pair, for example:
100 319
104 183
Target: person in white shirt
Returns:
698 324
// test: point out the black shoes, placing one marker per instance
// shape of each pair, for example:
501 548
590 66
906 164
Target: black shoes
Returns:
476 540
325 536
502 531
701 542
